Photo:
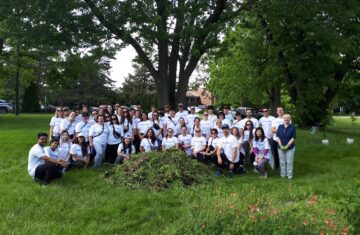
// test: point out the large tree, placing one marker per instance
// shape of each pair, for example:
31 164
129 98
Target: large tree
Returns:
170 37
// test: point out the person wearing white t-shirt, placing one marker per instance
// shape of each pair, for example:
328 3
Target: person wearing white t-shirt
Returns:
228 114
150 114
206 125
83 126
212 146
185 141
41 167
266 122
262 151
219 129
55 123
249 117
238 122
191 116
98 134
227 153
64 147
116 133
224 121
180 124
170 141
149 142
249 133
198 146
212 116
181 112
171 122
68 124
194 127
125 150
158 128
144 125
80 152
52 150
236 133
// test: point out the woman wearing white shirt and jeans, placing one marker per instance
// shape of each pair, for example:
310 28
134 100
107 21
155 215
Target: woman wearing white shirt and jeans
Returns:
55 123
116 132
98 134
68 124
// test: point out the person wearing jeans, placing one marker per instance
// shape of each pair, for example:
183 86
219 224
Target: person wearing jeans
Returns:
98 134
286 134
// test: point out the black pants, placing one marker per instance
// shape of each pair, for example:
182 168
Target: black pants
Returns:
275 153
111 153
226 163
47 172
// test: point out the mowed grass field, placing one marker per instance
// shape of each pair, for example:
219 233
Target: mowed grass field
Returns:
323 197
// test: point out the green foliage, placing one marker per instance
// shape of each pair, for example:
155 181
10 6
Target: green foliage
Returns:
31 99
159 171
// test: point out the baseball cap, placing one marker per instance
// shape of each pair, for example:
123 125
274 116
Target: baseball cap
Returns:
225 126
81 135
180 105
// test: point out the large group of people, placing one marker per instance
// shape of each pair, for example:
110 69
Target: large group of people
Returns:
112 134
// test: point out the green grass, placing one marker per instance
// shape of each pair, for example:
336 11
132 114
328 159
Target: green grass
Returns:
324 195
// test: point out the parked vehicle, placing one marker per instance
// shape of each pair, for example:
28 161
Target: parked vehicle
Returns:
6 106
48 108
256 113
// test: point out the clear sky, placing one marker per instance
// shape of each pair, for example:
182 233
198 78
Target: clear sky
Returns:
121 66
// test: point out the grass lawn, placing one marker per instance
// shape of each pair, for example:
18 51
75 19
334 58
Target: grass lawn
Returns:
323 197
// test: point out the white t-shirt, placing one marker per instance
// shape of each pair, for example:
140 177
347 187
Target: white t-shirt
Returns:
198 142
130 126
230 117
64 151
150 115
220 132
99 133
35 159
66 125
237 124
265 123
193 128
78 119
125 151
135 122
213 142
83 127
226 121
241 142
55 123
261 145
247 134
171 123
53 154
190 118
148 145
111 138
185 140
212 118
182 114
227 144
76 150
178 129
158 132
144 126
206 126
170 142
276 123
253 120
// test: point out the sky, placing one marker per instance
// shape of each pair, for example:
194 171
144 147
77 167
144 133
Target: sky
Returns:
121 66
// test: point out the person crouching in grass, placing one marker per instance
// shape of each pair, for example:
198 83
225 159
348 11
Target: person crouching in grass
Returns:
41 167
125 149
262 151
227 153
80 151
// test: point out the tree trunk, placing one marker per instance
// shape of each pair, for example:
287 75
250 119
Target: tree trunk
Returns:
17 84
162 92
275 98
182 88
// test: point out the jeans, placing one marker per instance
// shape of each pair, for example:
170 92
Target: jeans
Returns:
261 166
286 162
100 150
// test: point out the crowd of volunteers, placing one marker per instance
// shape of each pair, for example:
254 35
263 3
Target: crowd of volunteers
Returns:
112 134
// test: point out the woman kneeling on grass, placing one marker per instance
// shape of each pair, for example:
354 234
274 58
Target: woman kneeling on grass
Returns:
170 141
149 142
80 153
286 134
126 148
262 151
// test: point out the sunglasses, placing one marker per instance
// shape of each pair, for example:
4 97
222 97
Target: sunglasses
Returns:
170 131
59 110
213 133
197 131
65 110
113 119
248 124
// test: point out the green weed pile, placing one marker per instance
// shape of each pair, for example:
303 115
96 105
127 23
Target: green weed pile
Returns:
158 171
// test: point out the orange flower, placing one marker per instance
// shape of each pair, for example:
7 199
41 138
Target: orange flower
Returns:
305 222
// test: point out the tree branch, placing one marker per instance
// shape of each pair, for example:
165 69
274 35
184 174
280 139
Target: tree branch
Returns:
121 34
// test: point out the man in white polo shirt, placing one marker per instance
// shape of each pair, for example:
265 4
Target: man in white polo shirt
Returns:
41 167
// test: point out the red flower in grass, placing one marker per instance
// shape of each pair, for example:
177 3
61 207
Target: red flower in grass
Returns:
312 199
305 222
345 231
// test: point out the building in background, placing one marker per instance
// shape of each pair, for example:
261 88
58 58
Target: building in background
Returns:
199 97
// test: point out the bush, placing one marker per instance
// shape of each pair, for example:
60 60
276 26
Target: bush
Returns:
158 171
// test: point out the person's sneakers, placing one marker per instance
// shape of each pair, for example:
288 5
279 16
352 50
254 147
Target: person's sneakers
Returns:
231 173
218 173
256 171
241 170
264 176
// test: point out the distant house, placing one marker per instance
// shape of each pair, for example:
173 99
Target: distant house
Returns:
199 97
